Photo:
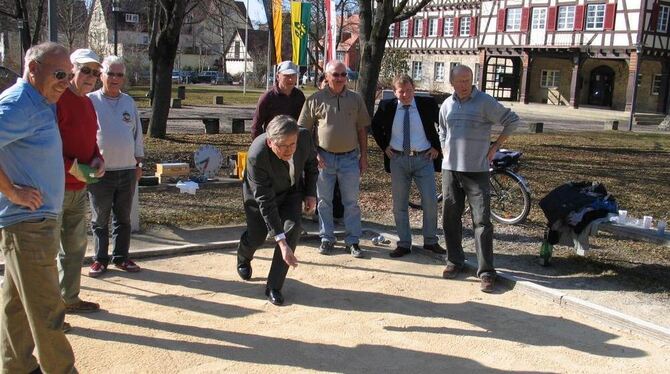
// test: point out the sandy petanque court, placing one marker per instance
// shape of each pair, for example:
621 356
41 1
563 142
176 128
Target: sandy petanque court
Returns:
192 314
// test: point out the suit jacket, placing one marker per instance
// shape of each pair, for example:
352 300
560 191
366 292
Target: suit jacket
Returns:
382 125
266 182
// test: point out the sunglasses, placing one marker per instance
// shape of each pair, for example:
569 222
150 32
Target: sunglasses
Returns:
59 74
112 75
339 75
88 71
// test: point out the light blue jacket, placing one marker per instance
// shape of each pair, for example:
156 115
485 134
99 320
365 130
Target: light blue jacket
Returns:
30 152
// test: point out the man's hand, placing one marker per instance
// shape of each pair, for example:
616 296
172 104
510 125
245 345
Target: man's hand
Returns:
492 151
363 163
389 152
25 196
287 253
310 204
99 165
433 153
321 161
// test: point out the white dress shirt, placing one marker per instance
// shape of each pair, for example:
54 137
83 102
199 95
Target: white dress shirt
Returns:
417 137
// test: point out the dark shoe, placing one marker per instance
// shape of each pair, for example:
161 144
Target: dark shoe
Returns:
355 251
451 271
274 296
66 327
488 282
326 247
82 307
400 251
435 248
97 269
244 271
36 371
129 266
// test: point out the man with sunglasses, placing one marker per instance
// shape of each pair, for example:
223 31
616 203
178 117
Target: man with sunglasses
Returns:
120 141
32 183
78 125
339 119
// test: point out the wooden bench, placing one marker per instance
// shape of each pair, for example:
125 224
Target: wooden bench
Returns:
238 124
211 123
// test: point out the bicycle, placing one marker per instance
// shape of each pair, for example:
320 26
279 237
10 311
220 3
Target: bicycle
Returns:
510 192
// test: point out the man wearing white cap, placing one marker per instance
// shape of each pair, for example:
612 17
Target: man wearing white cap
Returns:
282 98
78 126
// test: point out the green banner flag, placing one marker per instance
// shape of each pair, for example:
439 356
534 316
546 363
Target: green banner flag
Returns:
300 17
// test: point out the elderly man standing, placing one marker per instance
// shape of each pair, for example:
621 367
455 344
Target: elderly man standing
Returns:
405 128
279 177
466 119
120 141
32 183
340 119
78 126
282 98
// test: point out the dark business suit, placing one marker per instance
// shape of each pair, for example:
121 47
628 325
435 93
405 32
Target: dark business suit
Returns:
271 203
382 125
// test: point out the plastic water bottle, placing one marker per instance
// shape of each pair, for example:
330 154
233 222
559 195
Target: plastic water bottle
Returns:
546 250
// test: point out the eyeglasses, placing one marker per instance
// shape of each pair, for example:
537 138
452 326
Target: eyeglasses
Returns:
88 71
112 75
338 75
59 74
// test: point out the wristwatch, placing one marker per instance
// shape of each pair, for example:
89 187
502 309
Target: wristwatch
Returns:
139 164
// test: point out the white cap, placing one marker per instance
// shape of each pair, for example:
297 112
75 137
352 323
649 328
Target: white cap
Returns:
287 67
84 56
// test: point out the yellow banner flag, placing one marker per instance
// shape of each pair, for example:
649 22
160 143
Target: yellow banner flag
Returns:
277 26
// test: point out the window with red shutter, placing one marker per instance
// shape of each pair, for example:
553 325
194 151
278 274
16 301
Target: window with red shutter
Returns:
473 26
551 19
440 27
397 29
502 14
411 28
524 19
425 27
457 26
579 17
653 20
610 16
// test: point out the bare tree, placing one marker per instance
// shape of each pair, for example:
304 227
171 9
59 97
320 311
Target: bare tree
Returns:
222 21
32 14
166 19
376 18
73 20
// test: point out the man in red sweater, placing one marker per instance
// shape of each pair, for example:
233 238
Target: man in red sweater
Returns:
78 127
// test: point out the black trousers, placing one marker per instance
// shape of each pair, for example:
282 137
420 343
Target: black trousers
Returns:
290 211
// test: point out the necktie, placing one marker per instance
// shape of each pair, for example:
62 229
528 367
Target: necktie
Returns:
405 132
291 171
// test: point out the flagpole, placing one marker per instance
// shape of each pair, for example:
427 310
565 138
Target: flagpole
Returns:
246 50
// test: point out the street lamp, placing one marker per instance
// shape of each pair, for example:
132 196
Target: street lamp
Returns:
116 8
638 50
20 24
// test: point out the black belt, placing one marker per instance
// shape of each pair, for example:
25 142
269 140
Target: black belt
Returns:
411 153
338 153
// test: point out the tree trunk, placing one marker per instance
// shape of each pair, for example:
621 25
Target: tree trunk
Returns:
160 107
371 61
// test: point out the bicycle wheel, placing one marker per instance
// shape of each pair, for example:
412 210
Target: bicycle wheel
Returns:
510 198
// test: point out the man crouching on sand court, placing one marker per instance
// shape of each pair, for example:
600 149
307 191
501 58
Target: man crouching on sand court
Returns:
275 188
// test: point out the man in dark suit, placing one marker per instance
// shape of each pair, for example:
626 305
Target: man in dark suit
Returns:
280 175
405 129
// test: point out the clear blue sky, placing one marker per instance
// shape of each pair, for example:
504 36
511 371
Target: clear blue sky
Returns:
256 11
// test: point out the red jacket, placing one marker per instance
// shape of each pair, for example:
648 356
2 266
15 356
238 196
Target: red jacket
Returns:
78 125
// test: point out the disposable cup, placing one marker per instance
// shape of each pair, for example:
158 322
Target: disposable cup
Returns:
646 222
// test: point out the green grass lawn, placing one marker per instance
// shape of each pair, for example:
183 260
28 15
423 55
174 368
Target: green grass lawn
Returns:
203 94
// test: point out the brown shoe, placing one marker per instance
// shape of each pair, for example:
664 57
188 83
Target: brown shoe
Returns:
435 248
488 282
82 307
66 327
451 271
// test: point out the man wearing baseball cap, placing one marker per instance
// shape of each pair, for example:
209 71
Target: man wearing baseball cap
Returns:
78 126
282 98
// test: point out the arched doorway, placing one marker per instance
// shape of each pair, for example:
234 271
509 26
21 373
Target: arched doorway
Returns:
503 77
601 86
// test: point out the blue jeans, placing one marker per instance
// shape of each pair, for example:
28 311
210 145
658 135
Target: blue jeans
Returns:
345 169
419 168
112 194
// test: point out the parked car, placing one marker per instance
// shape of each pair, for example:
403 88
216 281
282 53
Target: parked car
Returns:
7 78
177 76
214 77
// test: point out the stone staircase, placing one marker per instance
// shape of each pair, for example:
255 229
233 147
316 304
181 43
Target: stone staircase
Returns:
648 119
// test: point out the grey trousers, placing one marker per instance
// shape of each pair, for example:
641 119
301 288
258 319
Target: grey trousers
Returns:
73 243
289 207
32 309
455 187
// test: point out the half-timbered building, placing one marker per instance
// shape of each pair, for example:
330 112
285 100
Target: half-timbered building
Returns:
564 52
